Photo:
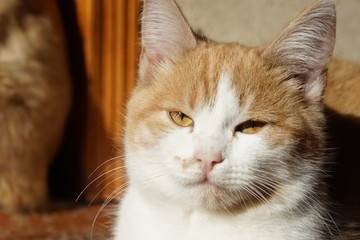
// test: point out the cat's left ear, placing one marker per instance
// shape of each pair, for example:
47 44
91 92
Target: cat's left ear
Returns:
165 35
305 47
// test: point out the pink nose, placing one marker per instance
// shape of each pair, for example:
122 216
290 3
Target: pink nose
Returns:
208 160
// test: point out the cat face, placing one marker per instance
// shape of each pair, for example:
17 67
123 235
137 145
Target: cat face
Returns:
223 126
240 138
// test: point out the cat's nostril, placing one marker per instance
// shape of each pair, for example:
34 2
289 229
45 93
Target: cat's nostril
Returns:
213 163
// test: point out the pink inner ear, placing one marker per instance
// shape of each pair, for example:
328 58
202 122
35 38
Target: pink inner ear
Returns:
148 66
155 59
315 87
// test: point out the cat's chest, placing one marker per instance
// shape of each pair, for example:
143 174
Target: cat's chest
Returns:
144 220
200 225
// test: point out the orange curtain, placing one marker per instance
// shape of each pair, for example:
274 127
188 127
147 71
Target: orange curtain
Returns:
109 30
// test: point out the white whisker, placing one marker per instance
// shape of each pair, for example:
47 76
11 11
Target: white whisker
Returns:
82 192
102 164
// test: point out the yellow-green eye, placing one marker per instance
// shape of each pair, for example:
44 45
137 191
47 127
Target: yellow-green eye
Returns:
181 119
250 127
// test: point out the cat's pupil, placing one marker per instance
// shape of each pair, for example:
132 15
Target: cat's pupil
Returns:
182 116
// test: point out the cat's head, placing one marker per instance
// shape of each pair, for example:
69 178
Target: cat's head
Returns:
223 125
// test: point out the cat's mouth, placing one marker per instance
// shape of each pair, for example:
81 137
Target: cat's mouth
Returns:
208 183
205 182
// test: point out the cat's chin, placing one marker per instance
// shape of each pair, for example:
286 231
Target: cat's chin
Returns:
213 197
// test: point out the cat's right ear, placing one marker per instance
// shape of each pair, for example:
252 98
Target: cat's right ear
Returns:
165 34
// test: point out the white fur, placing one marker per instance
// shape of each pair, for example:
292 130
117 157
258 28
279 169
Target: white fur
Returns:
164 201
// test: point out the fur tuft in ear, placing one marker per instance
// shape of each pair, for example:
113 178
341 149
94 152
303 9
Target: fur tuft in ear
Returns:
165 34
306 45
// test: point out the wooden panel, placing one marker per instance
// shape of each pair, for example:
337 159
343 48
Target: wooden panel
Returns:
109 31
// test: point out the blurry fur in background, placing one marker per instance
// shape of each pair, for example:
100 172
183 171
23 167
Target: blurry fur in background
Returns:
35 96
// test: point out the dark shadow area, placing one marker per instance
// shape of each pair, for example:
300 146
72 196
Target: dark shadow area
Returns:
65 171
344 139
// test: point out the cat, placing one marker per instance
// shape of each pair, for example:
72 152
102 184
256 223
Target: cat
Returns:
224 141
35 96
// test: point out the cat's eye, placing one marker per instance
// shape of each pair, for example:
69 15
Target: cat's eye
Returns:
181 119
250 127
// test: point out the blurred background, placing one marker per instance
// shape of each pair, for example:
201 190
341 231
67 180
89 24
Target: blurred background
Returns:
102 39
257 22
